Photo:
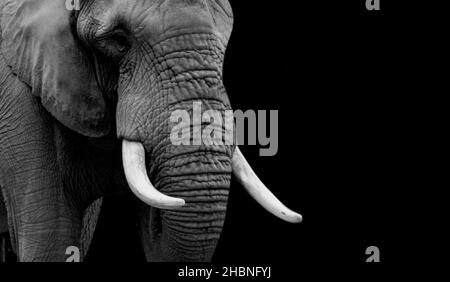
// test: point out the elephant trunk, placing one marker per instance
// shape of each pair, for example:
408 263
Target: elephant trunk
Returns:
202 179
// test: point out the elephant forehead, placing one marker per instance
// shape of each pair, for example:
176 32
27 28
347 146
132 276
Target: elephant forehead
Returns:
148 20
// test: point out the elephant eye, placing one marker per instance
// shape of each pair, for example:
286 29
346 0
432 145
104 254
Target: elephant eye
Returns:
121 41
114 44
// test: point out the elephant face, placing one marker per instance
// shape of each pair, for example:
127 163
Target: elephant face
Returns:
140 61
166 54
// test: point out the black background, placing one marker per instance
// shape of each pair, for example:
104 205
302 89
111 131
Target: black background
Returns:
325 68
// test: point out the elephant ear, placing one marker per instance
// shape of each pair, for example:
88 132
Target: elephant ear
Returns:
39 45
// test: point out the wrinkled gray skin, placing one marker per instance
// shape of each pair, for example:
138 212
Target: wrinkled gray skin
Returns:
150 57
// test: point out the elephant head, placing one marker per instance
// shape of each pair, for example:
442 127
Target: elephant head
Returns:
126 65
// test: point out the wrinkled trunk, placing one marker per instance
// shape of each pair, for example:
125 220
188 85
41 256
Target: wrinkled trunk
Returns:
176 72
190 233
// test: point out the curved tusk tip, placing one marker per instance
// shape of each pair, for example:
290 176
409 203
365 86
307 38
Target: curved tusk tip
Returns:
175 203
293 217
298 219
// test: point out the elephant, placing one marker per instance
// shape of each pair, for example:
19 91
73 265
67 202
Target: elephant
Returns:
86 95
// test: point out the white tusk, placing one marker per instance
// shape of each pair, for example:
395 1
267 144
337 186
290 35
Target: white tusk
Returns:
247 177
133 155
